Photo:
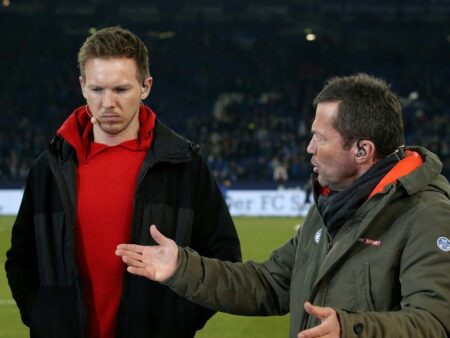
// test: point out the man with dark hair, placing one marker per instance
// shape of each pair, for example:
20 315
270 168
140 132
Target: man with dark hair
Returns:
372 258
368 109
112 169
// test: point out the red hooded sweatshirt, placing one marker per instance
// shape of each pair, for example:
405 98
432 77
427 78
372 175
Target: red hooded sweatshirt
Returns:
106 181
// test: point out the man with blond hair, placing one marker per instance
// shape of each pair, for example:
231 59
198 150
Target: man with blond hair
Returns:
112 169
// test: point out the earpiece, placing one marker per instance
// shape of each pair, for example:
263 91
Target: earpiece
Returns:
361 152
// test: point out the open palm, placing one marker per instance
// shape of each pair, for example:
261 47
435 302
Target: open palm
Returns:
157 262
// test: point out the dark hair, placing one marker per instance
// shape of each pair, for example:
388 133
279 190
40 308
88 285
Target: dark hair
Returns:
368 110
115 42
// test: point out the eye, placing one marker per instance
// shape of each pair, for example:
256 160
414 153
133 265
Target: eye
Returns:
96 89
319 138
121 90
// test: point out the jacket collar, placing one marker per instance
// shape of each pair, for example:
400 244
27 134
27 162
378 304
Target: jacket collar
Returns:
167 146
427 176
77 130
404 167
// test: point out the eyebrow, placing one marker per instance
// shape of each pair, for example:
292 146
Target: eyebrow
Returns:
125 85
314 131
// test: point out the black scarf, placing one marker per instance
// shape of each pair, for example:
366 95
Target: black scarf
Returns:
338 206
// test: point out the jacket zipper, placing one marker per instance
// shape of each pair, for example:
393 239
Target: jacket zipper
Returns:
133 234
311 300
330 244
79 313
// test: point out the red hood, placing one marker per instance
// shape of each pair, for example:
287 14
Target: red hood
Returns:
411 162
77 130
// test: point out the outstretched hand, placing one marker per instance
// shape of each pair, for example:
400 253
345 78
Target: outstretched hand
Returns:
157 262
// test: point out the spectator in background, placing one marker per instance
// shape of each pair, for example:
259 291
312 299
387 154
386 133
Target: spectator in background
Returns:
372 258
280 172
112 169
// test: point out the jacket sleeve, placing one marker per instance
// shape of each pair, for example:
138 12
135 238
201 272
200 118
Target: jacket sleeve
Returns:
425 285
20 266
239 288
214 234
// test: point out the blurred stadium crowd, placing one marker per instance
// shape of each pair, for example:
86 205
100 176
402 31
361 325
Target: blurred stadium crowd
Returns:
239 85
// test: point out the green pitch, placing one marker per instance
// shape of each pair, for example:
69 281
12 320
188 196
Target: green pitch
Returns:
10 324
259 236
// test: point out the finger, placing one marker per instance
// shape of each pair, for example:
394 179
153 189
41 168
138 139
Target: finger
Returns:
317 311
159 237
317 331
131 247
133 262
128 253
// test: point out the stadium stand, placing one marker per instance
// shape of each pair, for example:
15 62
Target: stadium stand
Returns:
237 79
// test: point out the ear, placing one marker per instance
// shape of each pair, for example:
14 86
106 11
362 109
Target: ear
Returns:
364 151
146 87
82 84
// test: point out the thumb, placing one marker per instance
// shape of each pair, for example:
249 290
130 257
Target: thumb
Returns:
158 237
317 311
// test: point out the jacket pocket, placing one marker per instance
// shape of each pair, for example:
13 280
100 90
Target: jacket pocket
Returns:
363 289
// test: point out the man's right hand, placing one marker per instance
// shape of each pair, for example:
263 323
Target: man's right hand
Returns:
157 262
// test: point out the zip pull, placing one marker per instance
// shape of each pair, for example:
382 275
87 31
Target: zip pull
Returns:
330 242
330 245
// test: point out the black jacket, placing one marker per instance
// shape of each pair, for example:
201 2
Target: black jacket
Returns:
175 190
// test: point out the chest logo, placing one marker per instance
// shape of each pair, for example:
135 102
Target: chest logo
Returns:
370 242
317 236
443 243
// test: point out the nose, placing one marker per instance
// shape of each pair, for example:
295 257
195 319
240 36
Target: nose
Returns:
311 149
108 99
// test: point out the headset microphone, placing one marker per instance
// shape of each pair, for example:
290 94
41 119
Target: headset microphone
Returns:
93 119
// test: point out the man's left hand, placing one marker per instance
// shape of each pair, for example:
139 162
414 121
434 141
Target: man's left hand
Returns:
329 326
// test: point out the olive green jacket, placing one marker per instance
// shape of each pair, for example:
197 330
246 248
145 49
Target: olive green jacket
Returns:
387 272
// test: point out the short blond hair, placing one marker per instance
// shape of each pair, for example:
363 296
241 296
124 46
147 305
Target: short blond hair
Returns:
115 42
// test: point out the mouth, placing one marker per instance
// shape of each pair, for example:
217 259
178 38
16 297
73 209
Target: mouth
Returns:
110 117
